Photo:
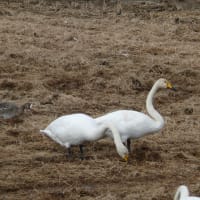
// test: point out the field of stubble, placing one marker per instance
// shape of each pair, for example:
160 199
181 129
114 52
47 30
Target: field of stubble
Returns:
69 58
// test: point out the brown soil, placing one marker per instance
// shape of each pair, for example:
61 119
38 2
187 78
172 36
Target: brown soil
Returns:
74 58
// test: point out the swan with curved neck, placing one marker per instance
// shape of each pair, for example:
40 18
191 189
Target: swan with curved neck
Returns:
182 193
76 129
133 124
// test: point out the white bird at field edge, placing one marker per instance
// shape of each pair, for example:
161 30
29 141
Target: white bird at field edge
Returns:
133 124
182 193
76 129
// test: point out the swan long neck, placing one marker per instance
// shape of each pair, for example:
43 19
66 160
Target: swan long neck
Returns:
181 193
116 136
149 105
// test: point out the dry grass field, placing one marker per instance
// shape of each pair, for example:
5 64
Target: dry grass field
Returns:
72 57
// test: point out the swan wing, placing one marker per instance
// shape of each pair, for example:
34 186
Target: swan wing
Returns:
130 124
72 129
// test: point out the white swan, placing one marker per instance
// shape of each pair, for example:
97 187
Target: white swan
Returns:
182 193
133 124
75 129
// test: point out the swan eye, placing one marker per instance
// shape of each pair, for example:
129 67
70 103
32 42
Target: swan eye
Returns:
169 85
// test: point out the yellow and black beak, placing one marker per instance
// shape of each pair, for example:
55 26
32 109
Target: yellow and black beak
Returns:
126 157
169 86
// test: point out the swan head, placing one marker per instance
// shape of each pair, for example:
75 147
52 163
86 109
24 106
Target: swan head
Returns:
181 193
163 83
123 152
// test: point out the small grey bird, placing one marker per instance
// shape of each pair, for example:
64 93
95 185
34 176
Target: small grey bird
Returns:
10 110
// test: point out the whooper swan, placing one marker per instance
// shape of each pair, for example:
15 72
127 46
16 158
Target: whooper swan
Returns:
75 129
133 124
182 193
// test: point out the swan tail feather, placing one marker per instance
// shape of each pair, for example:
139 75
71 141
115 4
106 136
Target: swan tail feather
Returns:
44 131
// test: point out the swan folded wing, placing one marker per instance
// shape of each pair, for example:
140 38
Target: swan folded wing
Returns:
136 128
120 116
64 134
73 129
131 124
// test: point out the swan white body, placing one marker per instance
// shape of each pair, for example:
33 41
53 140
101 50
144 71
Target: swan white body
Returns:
76 129
182 193
130 124
133 124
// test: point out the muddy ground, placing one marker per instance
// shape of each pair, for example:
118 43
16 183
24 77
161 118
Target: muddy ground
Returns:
68 58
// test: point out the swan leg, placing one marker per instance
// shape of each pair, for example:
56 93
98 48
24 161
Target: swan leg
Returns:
69 153
81 152
129 144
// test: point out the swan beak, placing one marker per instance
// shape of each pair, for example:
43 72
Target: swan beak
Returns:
126 158
169 86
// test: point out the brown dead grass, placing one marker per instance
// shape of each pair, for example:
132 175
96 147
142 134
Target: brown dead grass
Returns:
70 58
